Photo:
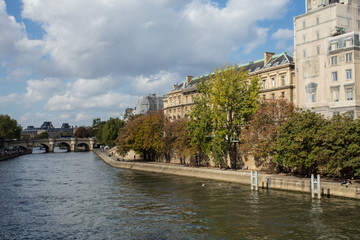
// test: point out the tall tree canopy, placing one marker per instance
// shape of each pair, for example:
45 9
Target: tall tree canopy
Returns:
259 139
83 132
9 128
109 131
144 134
223 107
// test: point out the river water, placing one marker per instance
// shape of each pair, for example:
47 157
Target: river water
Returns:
78 196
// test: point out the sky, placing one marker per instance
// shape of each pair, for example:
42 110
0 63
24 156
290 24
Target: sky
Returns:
76 60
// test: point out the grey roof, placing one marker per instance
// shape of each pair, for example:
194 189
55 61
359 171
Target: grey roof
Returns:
251 67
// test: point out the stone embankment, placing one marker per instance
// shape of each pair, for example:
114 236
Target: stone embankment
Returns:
272 181
5 155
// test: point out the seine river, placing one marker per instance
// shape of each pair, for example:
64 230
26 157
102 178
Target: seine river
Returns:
78 196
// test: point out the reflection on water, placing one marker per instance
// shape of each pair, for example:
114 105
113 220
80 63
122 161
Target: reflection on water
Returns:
76 195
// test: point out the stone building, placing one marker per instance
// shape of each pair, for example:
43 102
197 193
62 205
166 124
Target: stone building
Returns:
31 131
276 74
327 57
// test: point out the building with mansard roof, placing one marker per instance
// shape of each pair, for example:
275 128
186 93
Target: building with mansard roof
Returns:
276 74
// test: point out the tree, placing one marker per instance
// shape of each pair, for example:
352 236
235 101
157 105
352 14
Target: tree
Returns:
9 128
109 132
144 134
177 140
83 132
339 152
225 104
97 126
298 142
259 139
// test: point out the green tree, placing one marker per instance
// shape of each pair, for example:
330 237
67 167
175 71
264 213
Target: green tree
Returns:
97 126
9 128
225 104
298 142
109 132
339 153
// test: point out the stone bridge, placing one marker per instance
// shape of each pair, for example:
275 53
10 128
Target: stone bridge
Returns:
72 144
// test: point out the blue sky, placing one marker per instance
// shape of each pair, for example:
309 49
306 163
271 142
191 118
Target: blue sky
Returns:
73 61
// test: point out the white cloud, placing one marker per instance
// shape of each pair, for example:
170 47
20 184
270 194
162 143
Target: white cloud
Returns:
285 34
285 38
117 50
38 90
10 99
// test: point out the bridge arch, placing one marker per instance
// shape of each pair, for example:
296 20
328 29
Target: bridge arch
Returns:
61 144
82 146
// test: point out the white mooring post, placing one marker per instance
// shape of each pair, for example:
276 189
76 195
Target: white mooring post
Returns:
316 190
254 180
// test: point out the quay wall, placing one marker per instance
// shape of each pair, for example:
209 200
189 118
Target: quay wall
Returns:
271 181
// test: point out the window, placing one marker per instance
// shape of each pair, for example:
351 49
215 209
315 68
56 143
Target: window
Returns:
174 100
304 24
304 38
273 96
264 84
282 80
304 52
318 50
349 93
192 98
170 101
336 113
349 42
349 57
348 74
335 94
186 99
317 35
283 94
264 97
334 76
334 60
273 82
317 20
334 46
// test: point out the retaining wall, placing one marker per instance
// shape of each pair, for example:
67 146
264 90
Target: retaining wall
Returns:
272 181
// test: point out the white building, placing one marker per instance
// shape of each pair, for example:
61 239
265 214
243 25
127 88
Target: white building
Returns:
327 57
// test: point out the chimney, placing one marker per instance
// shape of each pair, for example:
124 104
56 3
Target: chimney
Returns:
188 79
267 56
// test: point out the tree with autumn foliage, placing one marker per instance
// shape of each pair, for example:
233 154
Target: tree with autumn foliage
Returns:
144 134
259 138
177 140
225 103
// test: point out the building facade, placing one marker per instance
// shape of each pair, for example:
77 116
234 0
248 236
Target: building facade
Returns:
31 132
275 72
327 57
149 103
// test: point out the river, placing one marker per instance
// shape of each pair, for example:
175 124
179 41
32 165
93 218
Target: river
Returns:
78 196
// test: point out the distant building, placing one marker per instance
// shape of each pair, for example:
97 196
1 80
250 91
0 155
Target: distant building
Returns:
276 75
149 103
31 132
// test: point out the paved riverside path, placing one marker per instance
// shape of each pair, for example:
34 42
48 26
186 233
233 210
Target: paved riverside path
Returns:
272 181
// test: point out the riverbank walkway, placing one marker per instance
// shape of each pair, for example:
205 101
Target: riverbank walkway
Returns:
267 181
